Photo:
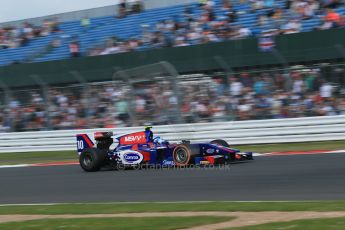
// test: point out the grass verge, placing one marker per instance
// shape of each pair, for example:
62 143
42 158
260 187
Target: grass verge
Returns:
149 223
305 146
37 157
315 224
113 208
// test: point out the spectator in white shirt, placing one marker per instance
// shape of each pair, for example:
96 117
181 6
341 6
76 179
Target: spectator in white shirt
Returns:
326 90
235 87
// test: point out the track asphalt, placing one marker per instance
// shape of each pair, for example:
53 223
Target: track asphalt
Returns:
295 177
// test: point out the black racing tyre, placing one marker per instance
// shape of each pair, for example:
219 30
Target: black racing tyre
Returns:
220 142
183 155
91 160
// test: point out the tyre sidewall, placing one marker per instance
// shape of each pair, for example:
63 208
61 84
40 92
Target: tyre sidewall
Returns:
97 160
187 151
220 142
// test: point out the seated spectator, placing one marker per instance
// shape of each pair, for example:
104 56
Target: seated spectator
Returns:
85 22
55 25
74 49
268 4
206 4
137 6
332 3
230 12
310 9
202 3
243 32
181 41
326 24
257 5
226 5
122 9
28 30
333 17
293 26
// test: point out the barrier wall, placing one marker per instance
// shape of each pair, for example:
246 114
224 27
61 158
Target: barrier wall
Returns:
292 48
240 132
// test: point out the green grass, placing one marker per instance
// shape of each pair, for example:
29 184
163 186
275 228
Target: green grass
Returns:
37 157
305 146
112 208
149 223
46 157
316 224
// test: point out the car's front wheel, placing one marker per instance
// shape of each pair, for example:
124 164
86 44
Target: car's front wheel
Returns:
182 155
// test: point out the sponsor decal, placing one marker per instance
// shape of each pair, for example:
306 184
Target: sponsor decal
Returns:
266 41
166 162
83 142
131 157
134 138
210 151
98 135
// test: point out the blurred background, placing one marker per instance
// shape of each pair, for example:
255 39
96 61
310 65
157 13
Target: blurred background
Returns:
169 62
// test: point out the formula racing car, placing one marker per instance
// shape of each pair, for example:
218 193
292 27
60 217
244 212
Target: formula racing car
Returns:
142 148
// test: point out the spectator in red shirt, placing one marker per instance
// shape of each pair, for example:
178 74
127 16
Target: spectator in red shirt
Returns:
74 49
332 16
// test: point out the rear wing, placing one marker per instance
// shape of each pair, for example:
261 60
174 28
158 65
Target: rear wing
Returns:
83 142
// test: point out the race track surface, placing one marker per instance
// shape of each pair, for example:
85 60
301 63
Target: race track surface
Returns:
297 177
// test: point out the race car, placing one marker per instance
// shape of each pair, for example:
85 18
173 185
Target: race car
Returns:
142 148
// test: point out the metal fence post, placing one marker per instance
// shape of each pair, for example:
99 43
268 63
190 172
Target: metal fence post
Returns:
228 72
8 96
124 77
131 76
174 74
341 50
282 60
285 64
45 89
86 91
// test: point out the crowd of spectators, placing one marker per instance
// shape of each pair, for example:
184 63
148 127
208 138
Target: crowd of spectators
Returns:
217 23
13 37
245 96
197 24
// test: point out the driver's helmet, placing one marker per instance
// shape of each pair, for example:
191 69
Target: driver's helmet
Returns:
159 140
148 128
149 133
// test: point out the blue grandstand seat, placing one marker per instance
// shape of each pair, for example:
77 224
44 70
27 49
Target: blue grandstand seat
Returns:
105 27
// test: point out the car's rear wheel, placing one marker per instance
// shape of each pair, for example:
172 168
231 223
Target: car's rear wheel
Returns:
91 160
182 155
220 142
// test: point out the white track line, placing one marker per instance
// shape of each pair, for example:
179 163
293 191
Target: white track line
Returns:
14 166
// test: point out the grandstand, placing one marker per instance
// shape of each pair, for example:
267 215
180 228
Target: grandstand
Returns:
219 81
102 28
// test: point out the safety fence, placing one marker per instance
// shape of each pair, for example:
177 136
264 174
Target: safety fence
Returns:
236 133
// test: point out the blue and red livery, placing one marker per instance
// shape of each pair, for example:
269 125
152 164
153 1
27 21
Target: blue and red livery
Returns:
140 148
